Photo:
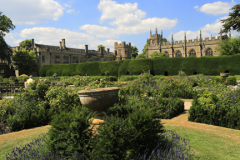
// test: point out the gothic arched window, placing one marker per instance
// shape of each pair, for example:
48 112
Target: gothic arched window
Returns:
192 53
178 54
209 52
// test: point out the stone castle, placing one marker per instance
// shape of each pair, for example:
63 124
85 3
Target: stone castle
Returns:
196 47
64 55
61 54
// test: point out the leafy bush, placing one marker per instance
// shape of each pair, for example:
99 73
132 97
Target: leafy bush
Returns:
231 80
117 136
61 98
181 73
70 132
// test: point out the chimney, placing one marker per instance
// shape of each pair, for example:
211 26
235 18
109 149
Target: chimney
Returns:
86 49
101 51
60 45
63 44
107 49
32 43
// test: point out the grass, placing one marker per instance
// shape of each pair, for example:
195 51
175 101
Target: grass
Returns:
208 146
209 142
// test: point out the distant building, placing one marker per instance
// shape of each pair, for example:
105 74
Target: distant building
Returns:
185 48
64 55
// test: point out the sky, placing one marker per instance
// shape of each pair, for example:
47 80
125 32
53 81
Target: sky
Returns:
95 22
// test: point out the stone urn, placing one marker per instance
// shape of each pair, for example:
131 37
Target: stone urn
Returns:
99 100
224 74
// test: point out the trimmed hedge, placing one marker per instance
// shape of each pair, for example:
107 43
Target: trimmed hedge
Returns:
136 67
159 66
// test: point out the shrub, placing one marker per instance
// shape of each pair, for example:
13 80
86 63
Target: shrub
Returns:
231 80
70 132
181 73
117 136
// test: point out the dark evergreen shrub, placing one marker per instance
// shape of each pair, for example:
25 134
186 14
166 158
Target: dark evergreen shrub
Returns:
117 136
70 133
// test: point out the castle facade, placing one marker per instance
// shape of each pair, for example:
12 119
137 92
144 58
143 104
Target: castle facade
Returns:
64 55
185 48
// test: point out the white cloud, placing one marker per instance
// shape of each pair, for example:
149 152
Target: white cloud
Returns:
67 5
127 19
189 35
215 27
32 11
52 36
216 8
196 7
70 10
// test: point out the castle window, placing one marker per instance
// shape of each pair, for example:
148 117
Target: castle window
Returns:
43 59
209 52
119 52
65 59
57 59
178 54
75 59
192 53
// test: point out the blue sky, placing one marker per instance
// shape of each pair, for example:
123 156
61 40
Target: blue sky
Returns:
95 22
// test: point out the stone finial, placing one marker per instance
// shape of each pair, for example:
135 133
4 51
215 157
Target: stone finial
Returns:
156 31
107 49
150 32
32 42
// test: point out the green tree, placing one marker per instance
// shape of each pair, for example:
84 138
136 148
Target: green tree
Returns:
99 46
164 39
158 54
230 46
233 21
144 51
134 51
25 61
26 43
5 26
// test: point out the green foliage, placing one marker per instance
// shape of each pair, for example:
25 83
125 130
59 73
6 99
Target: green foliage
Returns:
231 80
123 69
164 39
70 132
29 58
136 67
157 54
5 25
26 43
134 51
137 132
141 56
144 51
233 22
61 99
229 46
99 46
110 68
181 73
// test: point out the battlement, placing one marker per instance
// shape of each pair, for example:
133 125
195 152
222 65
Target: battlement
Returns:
122 45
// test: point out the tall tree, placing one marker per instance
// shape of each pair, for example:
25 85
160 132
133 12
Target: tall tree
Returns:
229 46
26 43
164 39
25 61
134 51
233 22
158 54
5 26
99 46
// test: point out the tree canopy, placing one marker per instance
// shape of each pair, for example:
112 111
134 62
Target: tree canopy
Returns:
158 54
134 51
25 61
5 26
26 43
230 46
233 22
99 46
